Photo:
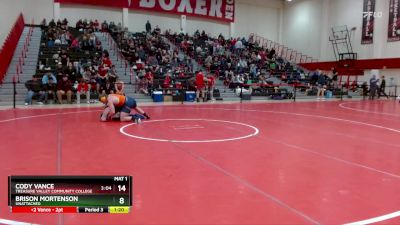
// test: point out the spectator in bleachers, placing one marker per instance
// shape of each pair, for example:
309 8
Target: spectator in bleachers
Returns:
50 88
120 88
64 58
99 46
108 88
96 25
52 23
75 46
242 66
253 71
47 76
71 71
112 74
34 87
157 30
104 26
92 40
43 24
167 82
41 65
79 25
64 87
83 88
58 23
102 77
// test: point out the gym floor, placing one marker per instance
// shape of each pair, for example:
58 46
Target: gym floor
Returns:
331 162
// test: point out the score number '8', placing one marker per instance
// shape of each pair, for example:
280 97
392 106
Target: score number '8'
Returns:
121 188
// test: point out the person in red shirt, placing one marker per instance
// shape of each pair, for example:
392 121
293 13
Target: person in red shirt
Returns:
167 81
101 78
181 74
149 78
200 85
107 63
83 88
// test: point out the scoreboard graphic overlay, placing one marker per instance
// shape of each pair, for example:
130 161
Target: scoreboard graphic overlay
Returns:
70 194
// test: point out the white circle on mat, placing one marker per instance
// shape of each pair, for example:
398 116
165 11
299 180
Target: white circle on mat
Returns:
255 129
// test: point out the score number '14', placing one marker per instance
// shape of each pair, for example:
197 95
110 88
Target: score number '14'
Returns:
121 188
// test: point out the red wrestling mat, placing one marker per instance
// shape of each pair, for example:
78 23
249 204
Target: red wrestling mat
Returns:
296 163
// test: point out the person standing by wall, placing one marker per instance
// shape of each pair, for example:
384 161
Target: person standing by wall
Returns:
373 87
334 77
382 88
148 27
321 84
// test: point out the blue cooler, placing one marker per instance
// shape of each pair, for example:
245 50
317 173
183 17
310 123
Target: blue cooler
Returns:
158 96
190 96
328 94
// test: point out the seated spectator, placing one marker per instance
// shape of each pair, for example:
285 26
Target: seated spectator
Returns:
50 88
79 25
43 24
104 26
102 77
96 25
167 81
99 46
75 45
106 62
119 88
83 88
41 65
149 78
108 88
50 43
142 86
64 87
34 87
52 23
112 75
47 76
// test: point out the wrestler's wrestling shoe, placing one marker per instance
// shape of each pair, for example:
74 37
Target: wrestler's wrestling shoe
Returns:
137 118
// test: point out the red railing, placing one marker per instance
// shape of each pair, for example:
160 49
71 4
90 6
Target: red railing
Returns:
9 46
282 50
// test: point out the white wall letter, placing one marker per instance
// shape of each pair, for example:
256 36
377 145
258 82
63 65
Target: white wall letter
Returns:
185 6
201 7
147 3
215 9
167 7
